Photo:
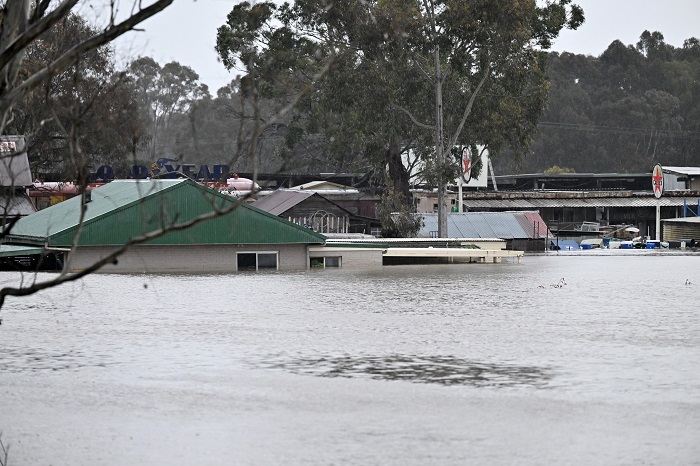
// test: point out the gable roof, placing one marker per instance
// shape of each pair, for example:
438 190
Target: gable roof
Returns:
123 209
322 186
504 225
282 200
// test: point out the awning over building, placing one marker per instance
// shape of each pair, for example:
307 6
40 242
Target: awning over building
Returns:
578 202
11 250
677 229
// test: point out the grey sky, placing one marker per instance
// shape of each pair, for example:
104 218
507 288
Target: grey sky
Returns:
186 31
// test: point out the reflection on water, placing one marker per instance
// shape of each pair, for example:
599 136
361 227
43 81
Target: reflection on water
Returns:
37 359
442 370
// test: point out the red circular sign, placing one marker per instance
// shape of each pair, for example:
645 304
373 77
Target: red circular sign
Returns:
657 181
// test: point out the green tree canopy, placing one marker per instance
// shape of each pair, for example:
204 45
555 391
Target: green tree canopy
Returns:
411 74
90 94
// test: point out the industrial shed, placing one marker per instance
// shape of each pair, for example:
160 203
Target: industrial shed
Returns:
681 229
15 178
521 230
244 239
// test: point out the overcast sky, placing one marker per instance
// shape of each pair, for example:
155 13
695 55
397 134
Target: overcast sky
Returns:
186 31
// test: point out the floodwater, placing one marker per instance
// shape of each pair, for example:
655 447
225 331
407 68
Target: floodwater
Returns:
564 359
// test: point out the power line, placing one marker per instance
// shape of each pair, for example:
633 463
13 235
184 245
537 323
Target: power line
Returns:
679 134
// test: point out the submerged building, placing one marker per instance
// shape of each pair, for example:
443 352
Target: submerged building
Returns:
581 205
525 231
236 237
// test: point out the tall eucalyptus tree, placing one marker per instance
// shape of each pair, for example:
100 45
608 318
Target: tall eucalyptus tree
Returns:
164 91
414 73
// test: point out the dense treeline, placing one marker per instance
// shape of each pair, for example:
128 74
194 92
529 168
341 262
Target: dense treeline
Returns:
362 81
624 111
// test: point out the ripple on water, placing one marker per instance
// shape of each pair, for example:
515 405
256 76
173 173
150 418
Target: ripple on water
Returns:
441 370
39 360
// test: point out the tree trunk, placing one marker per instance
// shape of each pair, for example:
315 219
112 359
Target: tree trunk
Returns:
12 25
398 175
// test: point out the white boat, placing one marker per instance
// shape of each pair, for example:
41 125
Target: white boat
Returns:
614 243
591 243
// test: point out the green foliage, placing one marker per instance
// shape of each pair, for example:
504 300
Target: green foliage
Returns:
90 95
237 42
165 94
363 115
434 173
398 218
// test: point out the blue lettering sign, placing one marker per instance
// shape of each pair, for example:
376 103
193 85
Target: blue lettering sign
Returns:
220 172
204 173
188 170
164 170
105 172
139 172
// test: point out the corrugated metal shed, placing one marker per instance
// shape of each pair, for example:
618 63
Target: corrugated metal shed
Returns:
14 163
282 200
694 171
677 229
532 221
123 209
505 225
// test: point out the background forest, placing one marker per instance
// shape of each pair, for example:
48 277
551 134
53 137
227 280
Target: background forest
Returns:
624 111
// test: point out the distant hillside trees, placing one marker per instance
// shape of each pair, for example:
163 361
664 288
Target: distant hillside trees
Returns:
624 111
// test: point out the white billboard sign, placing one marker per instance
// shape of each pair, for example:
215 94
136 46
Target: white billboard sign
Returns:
473 174
470 177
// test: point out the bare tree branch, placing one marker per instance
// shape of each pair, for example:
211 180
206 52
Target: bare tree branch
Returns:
468 109
71 56
422 71
413 119
112 258
38 26
4 452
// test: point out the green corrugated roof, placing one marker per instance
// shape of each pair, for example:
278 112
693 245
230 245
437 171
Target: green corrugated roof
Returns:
124 209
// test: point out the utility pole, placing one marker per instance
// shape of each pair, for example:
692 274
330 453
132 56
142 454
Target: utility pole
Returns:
439 149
